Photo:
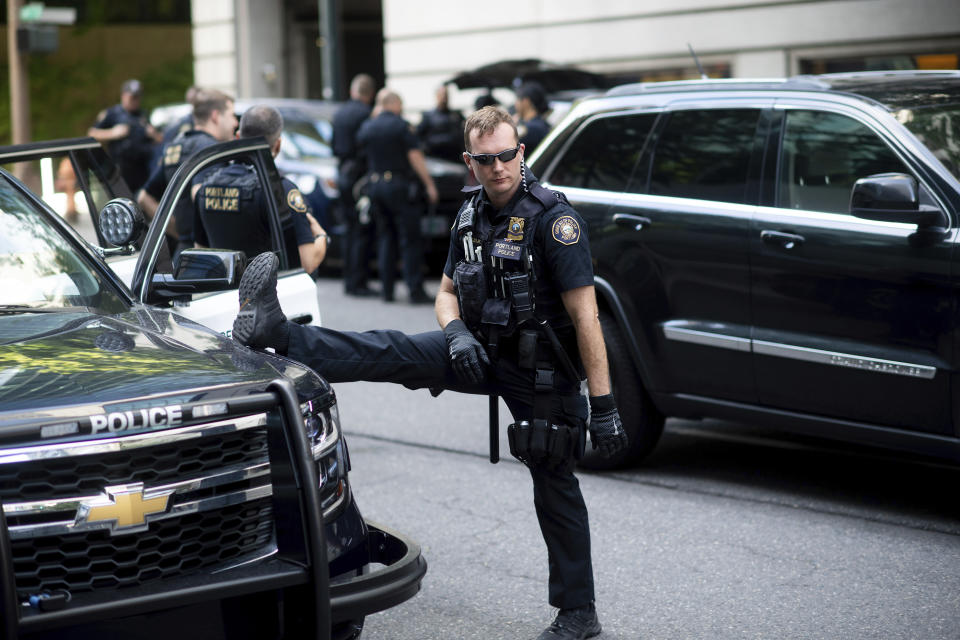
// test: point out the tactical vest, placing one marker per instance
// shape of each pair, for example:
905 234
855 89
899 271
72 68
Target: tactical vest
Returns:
182 147
232 210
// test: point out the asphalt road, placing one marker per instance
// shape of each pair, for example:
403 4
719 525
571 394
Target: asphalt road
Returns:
727 531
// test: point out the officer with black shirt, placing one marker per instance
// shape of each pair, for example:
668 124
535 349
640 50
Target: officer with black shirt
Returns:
232 212
530 106
346 124
214 121
441 129
520 321
128 135
395 167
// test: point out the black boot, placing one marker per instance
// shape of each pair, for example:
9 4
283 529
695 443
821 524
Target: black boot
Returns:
260 322
573 624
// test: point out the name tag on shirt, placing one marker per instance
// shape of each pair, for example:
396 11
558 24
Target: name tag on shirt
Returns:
507 250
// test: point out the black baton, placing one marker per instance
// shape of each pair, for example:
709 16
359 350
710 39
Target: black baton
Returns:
494 430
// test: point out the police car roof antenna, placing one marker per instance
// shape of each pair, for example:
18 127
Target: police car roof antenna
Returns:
703 75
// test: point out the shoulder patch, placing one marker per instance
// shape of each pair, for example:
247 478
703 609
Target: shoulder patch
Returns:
295 201
565 230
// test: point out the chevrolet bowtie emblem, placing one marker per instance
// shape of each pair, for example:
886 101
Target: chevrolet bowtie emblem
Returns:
124 507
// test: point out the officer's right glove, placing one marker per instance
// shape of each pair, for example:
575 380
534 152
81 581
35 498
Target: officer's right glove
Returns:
467 356
606 428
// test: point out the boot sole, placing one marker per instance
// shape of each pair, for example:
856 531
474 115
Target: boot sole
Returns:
259 275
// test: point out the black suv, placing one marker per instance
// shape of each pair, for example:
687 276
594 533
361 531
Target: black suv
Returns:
780 251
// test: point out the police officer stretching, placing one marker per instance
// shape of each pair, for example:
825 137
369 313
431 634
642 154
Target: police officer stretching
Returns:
519 316
346 124
394 163
214 121
230 204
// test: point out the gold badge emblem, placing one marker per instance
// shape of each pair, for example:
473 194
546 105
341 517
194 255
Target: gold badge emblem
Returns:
515 229
124 507
566 230
172 154
296 202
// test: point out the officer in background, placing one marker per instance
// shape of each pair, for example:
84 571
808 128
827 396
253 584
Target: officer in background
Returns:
530 107
520 320
441 129
231 210
128 136
396 167
214 121
346 124
179 126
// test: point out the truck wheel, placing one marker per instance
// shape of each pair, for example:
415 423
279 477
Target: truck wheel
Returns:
642 421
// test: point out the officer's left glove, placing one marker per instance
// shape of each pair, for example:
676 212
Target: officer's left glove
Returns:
467 356
606 429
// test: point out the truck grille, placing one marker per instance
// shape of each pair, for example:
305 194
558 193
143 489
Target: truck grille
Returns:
98 560
215 506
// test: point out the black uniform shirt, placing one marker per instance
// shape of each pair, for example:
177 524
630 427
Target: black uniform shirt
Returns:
561 250
232 212
386 140
532 132
298 211
132 152
346 123
441 131
182 147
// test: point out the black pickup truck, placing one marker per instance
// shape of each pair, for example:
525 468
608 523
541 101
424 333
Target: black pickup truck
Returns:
158 479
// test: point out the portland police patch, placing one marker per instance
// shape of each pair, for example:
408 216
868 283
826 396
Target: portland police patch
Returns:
296 201
566 230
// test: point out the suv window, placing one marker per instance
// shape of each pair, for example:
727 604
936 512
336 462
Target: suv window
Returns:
705 154
823 154
604 154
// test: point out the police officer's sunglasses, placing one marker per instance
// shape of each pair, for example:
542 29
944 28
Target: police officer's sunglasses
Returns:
487 158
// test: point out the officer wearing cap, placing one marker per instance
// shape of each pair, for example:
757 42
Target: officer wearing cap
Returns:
520 321
214 121
395 167
530 106
230 204
128 135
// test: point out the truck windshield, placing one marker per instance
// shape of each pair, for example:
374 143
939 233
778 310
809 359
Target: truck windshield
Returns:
937 127
39 268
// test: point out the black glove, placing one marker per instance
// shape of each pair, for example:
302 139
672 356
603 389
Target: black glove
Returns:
606 429
467 356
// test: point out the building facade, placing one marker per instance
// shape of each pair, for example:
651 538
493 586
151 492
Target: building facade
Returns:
255 47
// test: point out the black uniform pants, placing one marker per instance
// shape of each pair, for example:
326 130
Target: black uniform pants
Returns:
398 225
356 248
421 361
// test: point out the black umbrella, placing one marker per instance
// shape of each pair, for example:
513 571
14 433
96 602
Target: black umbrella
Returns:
513 73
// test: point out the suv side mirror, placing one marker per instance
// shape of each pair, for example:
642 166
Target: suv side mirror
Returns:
122 224
893 197
200 271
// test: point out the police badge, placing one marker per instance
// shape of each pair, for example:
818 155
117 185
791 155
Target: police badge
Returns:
515 229
566 230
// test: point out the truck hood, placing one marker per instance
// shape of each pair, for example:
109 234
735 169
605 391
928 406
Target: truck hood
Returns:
52 361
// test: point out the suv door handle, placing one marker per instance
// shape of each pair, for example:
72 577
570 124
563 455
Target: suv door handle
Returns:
629 220
785 240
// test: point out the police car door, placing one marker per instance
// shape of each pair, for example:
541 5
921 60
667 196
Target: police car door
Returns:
296 290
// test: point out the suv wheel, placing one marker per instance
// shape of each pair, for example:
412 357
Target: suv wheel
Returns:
642 421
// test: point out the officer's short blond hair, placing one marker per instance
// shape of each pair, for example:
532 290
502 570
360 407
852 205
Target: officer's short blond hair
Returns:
485 121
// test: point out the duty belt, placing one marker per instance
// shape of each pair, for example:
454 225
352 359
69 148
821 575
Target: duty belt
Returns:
386 176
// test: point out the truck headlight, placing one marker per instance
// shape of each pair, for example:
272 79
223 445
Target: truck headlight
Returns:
322 423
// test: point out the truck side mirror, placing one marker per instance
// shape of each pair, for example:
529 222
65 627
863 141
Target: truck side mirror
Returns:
893 197
200 271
